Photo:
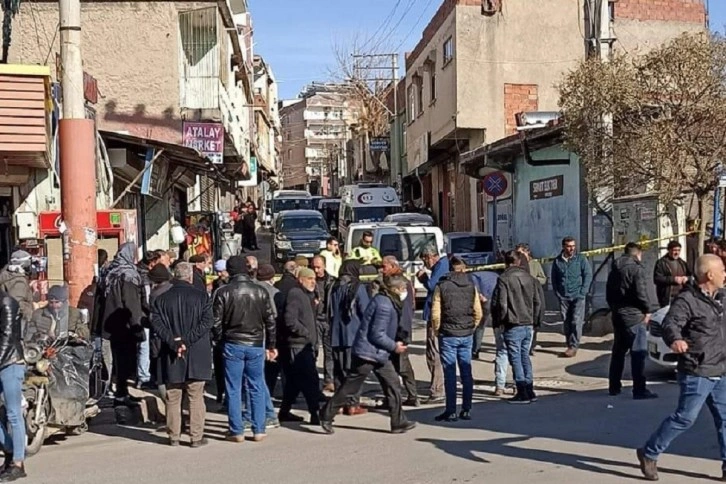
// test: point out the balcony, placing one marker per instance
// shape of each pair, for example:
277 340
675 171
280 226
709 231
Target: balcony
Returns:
25 104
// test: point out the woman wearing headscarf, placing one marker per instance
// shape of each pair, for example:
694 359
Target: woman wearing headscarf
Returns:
123 310
348 301
57 319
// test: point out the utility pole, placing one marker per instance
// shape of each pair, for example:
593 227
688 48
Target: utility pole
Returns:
77 159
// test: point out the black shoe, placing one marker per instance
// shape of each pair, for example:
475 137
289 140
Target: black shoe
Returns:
199 443
289 417
13 473
530 393
614 393
465 415
723 476
646 395
434 400
412 402
127 401
521 398
403 428
446 417
475 356
7 462
314 419
325 425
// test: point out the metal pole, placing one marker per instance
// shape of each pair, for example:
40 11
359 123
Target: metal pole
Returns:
494 225
394 126
77 158
716 210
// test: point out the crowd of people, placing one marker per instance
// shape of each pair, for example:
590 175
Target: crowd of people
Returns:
166 326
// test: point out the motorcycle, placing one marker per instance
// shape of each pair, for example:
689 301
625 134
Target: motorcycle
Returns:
58 377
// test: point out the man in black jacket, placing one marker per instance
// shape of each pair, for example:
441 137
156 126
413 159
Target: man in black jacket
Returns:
323 283
694 329
517 307
201 264
455 313
671 273
245 323
287 282
182 319
12 374
630 305
299 338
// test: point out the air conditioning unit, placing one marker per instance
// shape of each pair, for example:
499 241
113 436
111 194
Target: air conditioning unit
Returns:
536 119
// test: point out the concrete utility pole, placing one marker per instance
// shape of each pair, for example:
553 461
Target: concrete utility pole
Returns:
77 159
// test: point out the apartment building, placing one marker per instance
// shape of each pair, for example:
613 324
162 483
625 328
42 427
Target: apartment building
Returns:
315 129
268 128
170 78
480 62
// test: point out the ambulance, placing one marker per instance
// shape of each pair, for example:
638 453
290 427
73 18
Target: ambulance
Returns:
365 202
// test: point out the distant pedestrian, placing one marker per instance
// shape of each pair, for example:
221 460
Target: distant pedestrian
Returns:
694 330
372 349
182 318
670 275
631 307
201 266
439 267
517 308
249 221
220 268
300 338
455 313
331 254
323 284
349 299
571 278
401 361
244 323
252 266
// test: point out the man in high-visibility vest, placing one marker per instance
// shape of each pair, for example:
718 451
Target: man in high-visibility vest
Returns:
365 252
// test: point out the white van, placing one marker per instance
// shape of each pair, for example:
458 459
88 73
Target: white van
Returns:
366 202
404 242
290 200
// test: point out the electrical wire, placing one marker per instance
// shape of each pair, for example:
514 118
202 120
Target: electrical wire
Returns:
383 25
413 28
384 38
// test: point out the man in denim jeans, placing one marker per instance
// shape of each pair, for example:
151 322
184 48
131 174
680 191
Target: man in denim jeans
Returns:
516 306
244 323
12 374
694 329
455 313
571 278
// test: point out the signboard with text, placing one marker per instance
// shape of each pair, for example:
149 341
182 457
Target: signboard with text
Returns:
207 138
546 188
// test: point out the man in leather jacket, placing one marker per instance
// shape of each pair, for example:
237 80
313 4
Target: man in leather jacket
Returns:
323 283
12 374
245 324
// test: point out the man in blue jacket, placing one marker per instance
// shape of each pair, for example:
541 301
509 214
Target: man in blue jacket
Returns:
571 278
439 267
373 347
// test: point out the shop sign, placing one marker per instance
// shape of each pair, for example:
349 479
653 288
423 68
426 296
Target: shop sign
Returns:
546 188
206 138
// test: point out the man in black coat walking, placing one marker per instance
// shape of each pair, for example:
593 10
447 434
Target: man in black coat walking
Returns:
299 338
323 284
182 317
630 305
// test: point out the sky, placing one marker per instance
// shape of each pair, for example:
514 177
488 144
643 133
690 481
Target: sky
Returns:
297 37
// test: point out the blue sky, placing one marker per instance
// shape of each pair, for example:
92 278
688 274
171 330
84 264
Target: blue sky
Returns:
296 37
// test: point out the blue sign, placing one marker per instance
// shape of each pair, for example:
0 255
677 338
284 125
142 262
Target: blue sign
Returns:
495 184
146 177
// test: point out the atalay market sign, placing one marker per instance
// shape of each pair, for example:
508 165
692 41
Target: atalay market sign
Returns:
207 138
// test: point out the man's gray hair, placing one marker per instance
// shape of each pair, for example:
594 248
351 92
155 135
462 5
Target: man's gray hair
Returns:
252 262
396 282
290 267
184 271
704 264
430 250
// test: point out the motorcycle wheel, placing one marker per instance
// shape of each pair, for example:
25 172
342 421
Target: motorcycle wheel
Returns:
35 434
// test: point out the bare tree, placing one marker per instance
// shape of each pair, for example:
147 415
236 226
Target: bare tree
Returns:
654 122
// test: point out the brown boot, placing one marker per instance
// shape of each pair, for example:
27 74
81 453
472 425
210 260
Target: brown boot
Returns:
648 467
569 353
354 410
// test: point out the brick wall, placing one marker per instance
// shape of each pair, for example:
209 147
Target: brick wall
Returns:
666 10
518 98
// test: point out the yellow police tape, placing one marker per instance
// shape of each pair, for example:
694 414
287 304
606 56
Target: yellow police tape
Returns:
644 243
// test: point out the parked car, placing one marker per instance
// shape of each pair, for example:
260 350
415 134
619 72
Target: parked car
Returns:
298 233
659 352
474 248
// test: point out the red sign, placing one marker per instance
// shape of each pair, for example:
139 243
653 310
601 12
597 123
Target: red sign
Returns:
207 138
108 221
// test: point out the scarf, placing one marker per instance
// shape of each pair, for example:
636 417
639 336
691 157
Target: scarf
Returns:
122 268
350 276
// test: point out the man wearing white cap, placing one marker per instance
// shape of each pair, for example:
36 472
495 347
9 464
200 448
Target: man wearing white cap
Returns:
14 281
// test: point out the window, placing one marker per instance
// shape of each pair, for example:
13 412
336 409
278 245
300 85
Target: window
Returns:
411 104
448 50
406 246
432 82
418 82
